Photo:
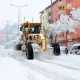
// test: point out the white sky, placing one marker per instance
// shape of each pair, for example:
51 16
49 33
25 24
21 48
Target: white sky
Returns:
9 12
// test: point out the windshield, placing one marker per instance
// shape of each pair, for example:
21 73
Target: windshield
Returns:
26 28
76 47
35 28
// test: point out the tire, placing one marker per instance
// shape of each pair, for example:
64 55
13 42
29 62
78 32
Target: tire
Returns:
70 52
18 47
30 56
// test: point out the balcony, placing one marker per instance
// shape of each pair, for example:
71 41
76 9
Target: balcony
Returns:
60 12
49 17
49 21
69 6
49 9
59 0
49 14
60 3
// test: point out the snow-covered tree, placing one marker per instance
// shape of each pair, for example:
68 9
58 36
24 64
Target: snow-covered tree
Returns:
76 16
65 24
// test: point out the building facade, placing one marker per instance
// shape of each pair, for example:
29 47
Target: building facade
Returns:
60 7
44 17
76 3
55 15
71 37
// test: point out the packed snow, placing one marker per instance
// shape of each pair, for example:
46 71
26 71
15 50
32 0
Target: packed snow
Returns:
45 65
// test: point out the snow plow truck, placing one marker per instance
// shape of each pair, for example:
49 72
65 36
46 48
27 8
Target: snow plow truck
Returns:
31 33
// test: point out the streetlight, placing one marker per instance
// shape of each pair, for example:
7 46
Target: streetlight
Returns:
51 13
51 22
18 14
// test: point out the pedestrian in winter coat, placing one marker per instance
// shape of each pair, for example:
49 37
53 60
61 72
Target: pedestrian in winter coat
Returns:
66 51
56 48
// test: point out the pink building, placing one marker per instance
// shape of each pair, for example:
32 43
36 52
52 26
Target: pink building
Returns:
68 6
54 10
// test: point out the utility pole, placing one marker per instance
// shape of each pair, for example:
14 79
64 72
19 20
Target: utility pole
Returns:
51 13
51 23
18 15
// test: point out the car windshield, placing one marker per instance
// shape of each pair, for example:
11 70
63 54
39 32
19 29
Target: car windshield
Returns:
76 47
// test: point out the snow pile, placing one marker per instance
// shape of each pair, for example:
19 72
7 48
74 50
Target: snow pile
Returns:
76 14
42 55
9 49
12 43
36 48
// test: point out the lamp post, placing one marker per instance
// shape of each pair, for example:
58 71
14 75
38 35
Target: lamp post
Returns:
51 22
18 14
51 13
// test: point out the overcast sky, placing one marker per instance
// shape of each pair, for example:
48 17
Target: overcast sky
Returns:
9 12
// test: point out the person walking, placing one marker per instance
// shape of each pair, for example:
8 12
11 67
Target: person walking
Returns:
66 51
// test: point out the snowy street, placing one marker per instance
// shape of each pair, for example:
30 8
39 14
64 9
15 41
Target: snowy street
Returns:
14 65
40 40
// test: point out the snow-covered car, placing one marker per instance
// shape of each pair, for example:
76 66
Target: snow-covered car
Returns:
62 49
75 49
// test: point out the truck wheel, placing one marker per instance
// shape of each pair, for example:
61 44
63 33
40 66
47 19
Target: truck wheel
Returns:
18 46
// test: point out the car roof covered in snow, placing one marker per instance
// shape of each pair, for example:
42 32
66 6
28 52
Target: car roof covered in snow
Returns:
76 45
62 47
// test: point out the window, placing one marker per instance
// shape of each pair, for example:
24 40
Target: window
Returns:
49 21
26 27
60 7
35 28
63 7
43 17
75 47
55 19
49 13
58 16
59 0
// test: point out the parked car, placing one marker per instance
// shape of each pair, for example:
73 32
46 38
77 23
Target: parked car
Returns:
75 49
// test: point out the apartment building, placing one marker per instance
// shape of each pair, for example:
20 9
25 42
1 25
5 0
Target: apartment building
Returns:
60 7
72 37
45 15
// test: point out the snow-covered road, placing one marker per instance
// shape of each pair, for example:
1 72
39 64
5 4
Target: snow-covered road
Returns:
47 69
44 66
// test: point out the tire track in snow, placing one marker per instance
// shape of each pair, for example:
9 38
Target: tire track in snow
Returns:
48 73
68 67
